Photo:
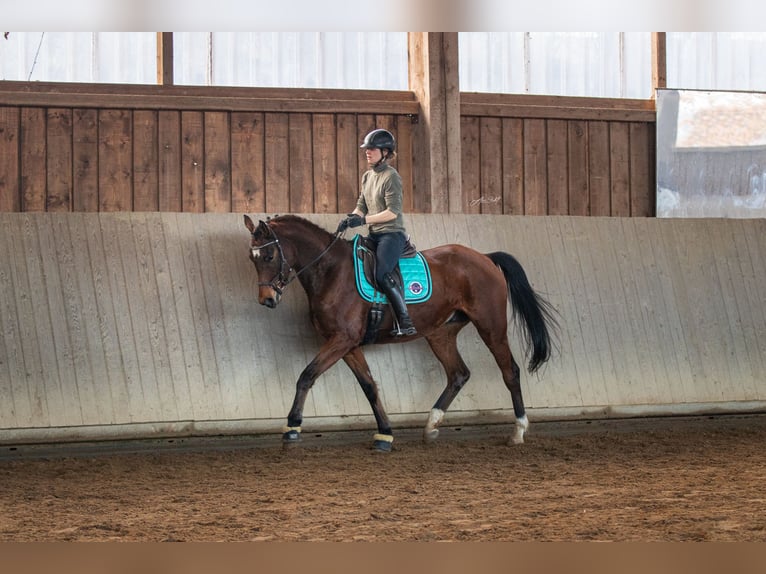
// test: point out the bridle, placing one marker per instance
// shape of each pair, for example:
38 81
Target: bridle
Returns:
283 278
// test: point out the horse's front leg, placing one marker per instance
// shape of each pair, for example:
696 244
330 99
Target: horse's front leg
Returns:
328 355
383 439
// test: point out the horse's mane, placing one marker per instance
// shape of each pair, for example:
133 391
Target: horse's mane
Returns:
290 219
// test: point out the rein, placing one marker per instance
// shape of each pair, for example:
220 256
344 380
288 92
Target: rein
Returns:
282 280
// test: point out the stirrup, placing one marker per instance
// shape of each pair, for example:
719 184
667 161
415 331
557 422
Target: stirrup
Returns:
398 331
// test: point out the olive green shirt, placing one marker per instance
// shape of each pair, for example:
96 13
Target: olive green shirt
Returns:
381 190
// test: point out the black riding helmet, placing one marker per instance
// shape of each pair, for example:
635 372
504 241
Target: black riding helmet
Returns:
381 139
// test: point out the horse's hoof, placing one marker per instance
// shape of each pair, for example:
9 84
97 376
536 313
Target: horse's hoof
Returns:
291 437
382 446
382 443
430 435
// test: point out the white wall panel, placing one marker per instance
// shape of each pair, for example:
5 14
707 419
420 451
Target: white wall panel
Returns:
147 324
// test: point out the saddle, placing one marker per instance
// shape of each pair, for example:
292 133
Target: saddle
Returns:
412 272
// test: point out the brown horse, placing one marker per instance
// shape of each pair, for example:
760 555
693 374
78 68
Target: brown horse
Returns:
467 287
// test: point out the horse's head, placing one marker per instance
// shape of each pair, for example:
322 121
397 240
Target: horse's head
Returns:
269 259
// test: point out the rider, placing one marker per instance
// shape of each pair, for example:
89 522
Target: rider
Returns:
380 207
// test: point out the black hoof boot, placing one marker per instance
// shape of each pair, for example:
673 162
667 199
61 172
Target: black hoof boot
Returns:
291 436
383 443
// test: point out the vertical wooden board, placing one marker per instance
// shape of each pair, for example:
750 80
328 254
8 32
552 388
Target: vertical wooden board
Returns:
470 172
619 323
14 410
10 184
491 141
641 180
673 334
55 258
169 184
325 172
513 166
683 273
192 162
115 160
160 389
144 397
93 380
76 308
752 277
599 169
33 159
119 281
535 168
707 299
196 257
277 163
226 308
637 303
577 160
404 160
581 315
59 160
217 149
649 275
619 168
247 163
109 380
44 390
348 154
174 374
745 363
145 161
19 310
558 167
32 307
180 246
301 164
85 151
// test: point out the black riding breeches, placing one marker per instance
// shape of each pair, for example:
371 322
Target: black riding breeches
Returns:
389 248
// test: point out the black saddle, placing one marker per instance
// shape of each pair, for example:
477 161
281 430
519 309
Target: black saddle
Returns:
365 251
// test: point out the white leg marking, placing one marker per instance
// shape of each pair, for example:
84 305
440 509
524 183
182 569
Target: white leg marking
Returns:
431 432
522 424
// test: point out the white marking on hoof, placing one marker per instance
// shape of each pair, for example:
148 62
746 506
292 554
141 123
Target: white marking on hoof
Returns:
431 432
522 424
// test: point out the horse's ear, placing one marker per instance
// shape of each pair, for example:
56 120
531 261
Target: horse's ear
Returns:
249 224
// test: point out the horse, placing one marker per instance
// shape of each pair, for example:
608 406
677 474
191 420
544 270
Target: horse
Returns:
468 287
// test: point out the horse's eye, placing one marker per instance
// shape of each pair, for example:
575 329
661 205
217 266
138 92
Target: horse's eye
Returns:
268 258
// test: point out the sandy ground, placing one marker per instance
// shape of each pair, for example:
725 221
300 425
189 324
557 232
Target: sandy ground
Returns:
699 478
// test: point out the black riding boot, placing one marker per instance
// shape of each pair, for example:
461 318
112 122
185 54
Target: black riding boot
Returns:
395 295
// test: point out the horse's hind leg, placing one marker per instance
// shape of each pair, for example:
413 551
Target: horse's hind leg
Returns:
356 361
444 345
497 342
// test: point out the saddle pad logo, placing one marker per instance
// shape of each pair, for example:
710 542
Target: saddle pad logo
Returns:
415 287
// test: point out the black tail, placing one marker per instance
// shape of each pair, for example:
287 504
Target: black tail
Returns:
538 314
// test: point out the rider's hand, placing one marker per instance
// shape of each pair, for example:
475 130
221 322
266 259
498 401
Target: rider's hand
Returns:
351 220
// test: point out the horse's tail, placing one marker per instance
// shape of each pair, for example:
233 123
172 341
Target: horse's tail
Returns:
538 315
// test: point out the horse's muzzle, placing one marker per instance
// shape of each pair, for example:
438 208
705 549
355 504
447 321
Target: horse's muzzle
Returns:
270 302
269 297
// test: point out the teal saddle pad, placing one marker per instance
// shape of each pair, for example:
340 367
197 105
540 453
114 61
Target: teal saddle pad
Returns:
416 278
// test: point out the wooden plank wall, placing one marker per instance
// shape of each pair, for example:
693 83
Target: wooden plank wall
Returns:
96 148
558 156
69 159
147 324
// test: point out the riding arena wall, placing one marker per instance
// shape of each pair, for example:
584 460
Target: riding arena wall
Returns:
136 325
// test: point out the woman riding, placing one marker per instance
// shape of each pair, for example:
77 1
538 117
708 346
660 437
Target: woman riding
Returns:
380 207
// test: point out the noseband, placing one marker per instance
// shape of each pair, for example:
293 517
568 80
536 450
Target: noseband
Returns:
283 279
